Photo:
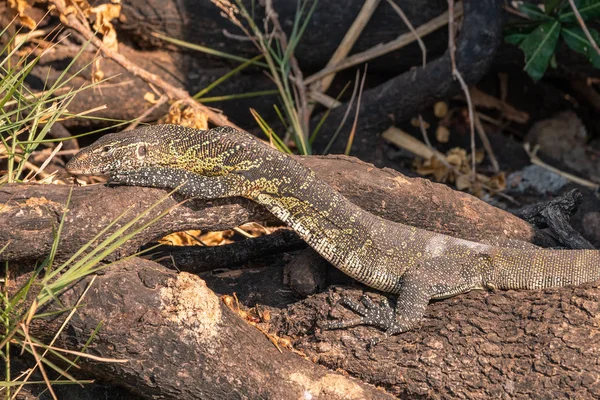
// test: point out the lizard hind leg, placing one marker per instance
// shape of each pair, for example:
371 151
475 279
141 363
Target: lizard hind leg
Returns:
410 307
435 278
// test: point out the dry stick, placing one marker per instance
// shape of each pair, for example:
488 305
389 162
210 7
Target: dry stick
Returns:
317 89
532 153
347 43
173 92
584 27
412 29
486 144
381 49
456 74
424 63
324 100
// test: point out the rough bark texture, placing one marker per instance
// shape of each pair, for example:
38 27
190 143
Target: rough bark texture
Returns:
504 344
31 212
182 342
538 344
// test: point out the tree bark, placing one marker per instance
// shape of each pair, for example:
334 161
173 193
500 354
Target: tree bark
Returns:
180 341
503 344
31 213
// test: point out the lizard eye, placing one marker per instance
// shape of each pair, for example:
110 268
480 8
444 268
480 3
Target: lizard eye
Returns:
141 151
107 150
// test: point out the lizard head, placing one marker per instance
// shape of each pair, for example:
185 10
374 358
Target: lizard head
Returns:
214 152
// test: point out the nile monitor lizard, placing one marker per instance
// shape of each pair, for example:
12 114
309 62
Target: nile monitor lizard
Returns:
415 264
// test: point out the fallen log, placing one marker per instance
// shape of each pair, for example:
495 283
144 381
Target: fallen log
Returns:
30 214
180 341
479 345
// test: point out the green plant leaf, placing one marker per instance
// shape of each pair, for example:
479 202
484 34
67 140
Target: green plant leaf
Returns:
577 41
587 8
533 12
515 38
539 47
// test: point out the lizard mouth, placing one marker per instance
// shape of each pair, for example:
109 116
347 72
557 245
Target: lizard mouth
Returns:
82 172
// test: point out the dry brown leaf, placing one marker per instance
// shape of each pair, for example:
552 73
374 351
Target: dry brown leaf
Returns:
189 116
435 167
440 109
21 8
105 13
150 98
497 182
463 182
98 74
482 99
442 134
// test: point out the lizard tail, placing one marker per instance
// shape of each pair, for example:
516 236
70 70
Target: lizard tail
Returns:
539 269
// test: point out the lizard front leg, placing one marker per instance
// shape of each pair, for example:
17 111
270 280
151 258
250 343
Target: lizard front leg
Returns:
435 278
183 182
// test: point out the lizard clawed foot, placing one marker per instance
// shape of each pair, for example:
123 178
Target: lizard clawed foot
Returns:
380 315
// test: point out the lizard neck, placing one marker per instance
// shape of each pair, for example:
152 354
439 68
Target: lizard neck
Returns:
353 240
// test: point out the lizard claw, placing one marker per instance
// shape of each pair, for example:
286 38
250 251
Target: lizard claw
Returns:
380 315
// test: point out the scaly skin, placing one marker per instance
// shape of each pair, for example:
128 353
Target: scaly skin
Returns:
415 264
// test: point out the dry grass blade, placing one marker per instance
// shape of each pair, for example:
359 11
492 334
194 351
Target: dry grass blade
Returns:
38 361
353 130
47 161
379 50
346 114
351 36
581 22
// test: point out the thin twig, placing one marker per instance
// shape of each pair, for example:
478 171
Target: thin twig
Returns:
486 144
584 27
350 38
353 130
173 92
457 75
381 49
532 153
412 29
514 11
